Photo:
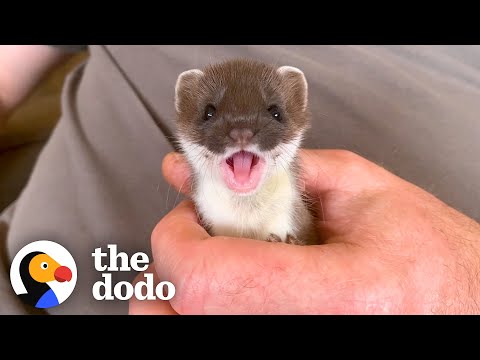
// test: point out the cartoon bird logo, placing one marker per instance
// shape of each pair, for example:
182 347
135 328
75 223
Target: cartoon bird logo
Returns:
36 270
43 274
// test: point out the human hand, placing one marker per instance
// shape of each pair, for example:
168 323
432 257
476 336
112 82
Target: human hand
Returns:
388 248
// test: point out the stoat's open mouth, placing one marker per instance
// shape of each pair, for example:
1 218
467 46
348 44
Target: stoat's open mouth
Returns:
242 171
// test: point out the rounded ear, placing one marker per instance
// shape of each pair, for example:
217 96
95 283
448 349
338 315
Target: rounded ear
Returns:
295 85
185 87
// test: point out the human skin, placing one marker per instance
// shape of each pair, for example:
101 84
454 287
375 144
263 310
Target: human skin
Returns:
388 247
22 67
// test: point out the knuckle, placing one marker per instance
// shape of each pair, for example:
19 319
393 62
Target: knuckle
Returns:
165 227
361 170
348 157
159 229
351 162
192 287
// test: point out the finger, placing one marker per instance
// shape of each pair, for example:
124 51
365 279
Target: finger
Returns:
149 307
332 170
244 276
177 172
224 275
174 236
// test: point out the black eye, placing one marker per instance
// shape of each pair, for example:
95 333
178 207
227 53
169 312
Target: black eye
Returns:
275 112
209 112
44 265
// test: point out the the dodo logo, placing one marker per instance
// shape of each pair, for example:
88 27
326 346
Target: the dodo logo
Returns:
43 274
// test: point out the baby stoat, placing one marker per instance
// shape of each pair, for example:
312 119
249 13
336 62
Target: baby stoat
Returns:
240 124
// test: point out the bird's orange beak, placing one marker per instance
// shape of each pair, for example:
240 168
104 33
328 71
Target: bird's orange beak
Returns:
62 274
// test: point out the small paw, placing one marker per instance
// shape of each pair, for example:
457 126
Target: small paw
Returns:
291 239
273 238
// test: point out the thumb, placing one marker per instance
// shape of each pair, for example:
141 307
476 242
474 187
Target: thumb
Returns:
323 171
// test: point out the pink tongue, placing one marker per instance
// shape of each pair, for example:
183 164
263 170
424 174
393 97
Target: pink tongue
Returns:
242 164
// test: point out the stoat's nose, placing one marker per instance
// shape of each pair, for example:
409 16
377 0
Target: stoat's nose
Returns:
242 136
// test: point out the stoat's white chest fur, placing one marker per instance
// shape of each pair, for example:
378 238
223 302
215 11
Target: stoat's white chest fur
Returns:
270 210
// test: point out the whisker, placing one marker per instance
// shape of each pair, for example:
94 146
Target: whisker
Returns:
213 182
167 198
321 207
179 192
